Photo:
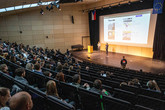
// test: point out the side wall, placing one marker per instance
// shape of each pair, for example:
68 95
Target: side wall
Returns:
57 25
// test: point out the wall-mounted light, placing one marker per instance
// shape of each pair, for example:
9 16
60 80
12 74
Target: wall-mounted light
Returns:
110 6
129 3
119 4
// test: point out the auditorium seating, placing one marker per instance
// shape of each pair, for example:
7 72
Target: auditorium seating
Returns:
123 97
40 100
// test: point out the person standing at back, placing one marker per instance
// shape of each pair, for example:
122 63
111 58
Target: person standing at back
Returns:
123 62
106 48
98 45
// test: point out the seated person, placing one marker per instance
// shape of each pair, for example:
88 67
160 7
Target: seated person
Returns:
30 66
13 59
123 63
1 53
87 68
97 85
136 82
130 83
37 68
59 68
77 80
51 90
4 97
4 68
123 83
47 73
60 76
152 85
102 73
20 74
21 101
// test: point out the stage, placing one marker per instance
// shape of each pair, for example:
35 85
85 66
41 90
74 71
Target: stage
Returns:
113 59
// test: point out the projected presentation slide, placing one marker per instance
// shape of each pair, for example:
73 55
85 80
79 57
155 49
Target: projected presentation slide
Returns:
127 29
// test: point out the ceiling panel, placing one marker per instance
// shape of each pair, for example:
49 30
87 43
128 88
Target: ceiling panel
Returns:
10 3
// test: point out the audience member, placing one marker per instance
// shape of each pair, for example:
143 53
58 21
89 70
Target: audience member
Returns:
77 80
59 68
37 68
136 82
13 59
130 83
30 66
97 87
47 73
87 68
4 97
4 68
20 74
51 88
123 83
21 101
152 85
60 76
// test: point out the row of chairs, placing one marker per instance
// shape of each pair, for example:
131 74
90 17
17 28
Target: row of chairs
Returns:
87 97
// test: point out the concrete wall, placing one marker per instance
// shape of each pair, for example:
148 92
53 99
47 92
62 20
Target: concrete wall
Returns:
57 25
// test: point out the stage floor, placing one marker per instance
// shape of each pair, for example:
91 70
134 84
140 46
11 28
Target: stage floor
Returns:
113 59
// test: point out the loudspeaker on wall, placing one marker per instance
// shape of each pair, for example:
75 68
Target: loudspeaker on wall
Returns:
72 20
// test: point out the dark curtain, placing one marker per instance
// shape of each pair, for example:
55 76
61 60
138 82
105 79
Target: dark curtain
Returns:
159 38
94 25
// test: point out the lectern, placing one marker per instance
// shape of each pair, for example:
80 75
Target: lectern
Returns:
90 49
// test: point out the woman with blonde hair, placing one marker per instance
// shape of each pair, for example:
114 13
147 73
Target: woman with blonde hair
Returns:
51 88
30 66
60 76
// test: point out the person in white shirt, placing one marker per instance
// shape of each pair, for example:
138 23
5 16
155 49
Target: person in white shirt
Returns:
98 45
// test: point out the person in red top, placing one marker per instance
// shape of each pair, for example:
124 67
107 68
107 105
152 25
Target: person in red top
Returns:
123 62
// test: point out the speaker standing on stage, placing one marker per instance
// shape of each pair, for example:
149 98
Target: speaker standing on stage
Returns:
98 45
106 47
123 62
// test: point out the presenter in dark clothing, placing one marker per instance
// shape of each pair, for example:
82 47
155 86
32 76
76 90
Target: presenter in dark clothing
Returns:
106 47
123 62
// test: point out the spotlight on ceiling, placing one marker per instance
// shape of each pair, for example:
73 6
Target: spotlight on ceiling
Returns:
42 12
83 11
39 2
141 0
47 7
56 3
51 8
59 8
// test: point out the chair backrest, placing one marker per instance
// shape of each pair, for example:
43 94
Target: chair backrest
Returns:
40 99
125 95
139 107
151 102
89 100
111 103
151 93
